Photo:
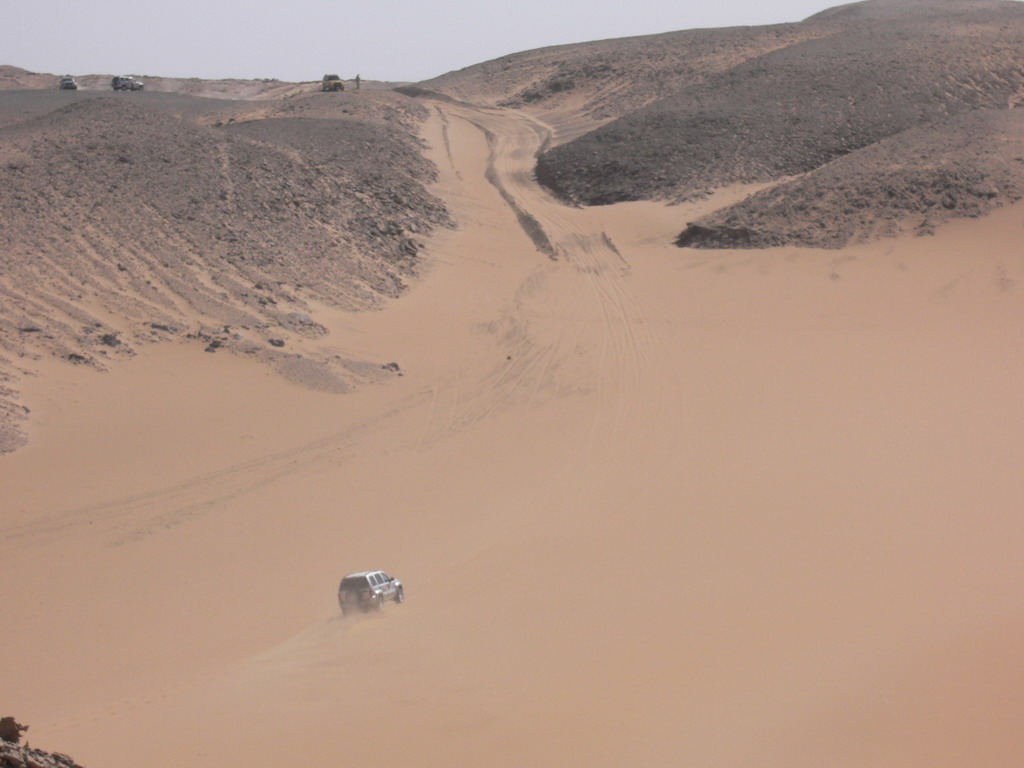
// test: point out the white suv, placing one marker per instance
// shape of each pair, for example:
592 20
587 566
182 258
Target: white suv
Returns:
368 590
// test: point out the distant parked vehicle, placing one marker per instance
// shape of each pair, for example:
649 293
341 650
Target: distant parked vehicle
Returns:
125 83
368 591
332 83
68 84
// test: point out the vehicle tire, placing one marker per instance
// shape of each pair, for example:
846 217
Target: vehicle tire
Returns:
400 595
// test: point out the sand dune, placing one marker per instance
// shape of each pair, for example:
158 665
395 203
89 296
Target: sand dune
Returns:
651 507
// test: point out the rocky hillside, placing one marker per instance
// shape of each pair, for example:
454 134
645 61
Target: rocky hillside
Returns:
875 10
588 84
127 218
793 110
961 167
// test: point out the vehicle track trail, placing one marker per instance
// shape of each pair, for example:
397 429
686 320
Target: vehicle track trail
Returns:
600 325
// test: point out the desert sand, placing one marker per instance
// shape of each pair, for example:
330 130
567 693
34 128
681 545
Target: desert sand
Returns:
651 506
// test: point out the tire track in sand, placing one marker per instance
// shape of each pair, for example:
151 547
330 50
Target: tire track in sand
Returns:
603 321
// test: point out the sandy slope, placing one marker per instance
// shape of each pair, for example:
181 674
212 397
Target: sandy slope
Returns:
652 507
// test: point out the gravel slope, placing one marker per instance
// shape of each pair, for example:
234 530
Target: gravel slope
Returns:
127 218
793 110
963 167
603 80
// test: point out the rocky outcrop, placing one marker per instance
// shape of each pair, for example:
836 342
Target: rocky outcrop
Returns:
19 756
14 754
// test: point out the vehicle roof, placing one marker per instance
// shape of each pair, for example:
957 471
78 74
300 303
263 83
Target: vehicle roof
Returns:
361 573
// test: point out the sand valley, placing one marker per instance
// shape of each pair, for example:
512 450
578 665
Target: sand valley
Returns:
652 506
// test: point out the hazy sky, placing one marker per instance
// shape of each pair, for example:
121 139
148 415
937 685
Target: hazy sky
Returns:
302 39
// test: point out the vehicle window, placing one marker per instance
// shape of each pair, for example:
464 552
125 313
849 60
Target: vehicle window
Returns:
386 577
375 579
354 582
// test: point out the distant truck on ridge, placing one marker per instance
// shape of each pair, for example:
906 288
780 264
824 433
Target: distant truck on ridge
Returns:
332 83
125 83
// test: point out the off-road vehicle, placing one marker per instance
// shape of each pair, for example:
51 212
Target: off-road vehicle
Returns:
368 591
68 84
125 83
332 83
